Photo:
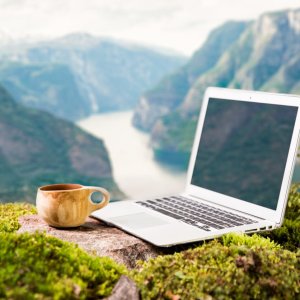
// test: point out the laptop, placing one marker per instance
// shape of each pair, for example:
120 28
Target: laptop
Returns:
238 180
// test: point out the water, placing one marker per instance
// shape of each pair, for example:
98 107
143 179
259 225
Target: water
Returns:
135 170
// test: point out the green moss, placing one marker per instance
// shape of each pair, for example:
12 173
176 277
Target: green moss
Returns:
288 235
42 267
9 214
235 267
293 205
248 241
216 271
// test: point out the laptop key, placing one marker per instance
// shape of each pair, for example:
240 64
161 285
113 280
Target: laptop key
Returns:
195 213
203 227
190 222
167 213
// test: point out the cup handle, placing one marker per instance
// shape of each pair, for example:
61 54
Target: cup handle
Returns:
104 202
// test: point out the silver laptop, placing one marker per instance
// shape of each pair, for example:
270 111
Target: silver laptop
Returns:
239 174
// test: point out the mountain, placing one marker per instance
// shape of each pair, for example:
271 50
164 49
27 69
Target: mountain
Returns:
265 55
79 74
169 93
37 149
56 83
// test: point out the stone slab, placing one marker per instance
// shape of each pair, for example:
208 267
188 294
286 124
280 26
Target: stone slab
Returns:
125 289
98 238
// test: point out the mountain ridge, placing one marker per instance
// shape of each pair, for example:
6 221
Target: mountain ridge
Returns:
37 149
168 94
264 56
107 75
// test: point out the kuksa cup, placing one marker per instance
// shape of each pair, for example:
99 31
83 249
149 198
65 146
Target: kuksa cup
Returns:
68 205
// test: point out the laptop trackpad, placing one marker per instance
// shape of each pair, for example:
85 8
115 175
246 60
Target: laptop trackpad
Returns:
138 221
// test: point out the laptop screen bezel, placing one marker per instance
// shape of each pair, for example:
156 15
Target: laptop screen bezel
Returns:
231 202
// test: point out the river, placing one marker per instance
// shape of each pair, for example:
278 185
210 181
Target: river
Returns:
135 170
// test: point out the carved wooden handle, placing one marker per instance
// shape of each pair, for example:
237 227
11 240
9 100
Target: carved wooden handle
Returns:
104 202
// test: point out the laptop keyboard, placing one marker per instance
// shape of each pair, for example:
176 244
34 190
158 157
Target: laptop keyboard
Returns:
194 213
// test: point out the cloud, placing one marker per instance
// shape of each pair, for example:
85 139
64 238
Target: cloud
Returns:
182 25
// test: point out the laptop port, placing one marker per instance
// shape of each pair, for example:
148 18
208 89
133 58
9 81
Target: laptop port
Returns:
251 230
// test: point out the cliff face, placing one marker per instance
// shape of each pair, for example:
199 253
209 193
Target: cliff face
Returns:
80 74
264 56
37 148
171 91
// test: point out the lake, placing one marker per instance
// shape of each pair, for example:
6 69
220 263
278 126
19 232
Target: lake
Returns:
135 170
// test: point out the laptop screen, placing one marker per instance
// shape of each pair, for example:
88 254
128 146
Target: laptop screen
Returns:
243 150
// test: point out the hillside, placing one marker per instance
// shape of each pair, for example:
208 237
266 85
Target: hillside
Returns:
264 56
48 87
37 148
170 92
80 74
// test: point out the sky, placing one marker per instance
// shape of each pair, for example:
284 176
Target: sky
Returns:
172 24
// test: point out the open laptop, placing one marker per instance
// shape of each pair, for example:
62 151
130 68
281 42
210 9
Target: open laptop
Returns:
239 174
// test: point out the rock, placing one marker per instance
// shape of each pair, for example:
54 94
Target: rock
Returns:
125 289
98 238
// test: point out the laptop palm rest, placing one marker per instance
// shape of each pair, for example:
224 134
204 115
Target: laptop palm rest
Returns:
138 221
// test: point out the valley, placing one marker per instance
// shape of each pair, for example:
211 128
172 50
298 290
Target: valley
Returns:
259 55
134 167
47 87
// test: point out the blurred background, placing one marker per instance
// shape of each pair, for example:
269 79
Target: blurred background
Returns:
108 92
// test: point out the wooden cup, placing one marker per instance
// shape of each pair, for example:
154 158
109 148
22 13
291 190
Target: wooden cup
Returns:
68 205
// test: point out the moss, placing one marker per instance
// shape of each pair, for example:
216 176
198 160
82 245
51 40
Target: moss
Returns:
216 271
259 264
36 266
248 241
40 267
288 235
9 214
293 205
